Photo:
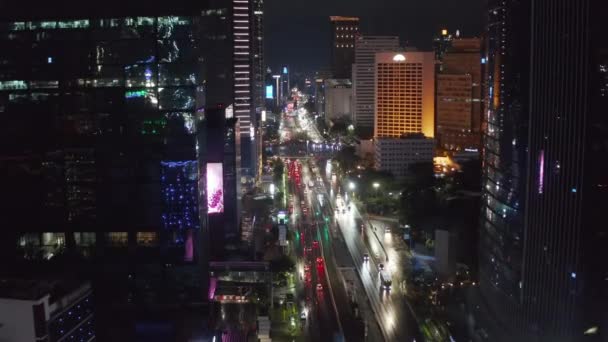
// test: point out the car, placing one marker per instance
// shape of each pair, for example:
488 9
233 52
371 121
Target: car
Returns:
315 244
365 257
319 262
381 267
319 287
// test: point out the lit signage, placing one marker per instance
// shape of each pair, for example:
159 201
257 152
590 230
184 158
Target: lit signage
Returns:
269 92
263 116
399 58
215 188
284 69
444 32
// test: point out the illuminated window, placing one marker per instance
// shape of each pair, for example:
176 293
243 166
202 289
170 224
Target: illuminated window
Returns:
84 239
117 239
148 239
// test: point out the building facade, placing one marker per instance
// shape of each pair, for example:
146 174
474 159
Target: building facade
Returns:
563 286
344 31
404 94
459 96
504 159
366 48
40 310
100 148
396 155
542 237
338 100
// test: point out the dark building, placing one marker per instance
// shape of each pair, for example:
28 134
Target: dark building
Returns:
344 30
217 161
98 148
542 253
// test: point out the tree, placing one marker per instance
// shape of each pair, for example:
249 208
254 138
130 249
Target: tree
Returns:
347 158
282 264
277 171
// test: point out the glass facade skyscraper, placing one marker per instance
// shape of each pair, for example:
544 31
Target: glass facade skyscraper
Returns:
504 161
98 144
542 242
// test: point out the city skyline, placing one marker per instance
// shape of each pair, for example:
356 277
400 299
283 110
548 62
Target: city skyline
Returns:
328 171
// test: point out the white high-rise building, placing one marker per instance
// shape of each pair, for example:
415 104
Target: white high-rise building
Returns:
363 87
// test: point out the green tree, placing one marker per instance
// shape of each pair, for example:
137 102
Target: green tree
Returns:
347 158
282 264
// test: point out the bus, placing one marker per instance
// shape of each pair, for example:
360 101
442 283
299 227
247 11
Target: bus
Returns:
385 280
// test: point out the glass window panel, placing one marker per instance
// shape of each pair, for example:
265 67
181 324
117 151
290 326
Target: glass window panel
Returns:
17 26
67 24
29 239
142 75
174 27
125 52
13 85
148 239
178 74
85 238
176 98
117 239
177 51
53 239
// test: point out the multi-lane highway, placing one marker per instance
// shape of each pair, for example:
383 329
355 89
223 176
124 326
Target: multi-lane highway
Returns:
382 248
322 322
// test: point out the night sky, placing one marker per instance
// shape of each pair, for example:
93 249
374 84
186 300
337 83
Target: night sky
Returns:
297 31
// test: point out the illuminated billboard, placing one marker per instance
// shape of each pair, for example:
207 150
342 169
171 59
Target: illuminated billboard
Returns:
215 188
269 92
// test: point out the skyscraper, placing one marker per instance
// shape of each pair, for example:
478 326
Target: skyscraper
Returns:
543 264
366 48
459 96
404 94
99 140
344 31
504 158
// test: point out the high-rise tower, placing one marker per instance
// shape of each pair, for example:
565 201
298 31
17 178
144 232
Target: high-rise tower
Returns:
344 30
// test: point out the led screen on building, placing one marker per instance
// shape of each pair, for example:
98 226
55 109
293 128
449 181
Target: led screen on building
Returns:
215 188
269 92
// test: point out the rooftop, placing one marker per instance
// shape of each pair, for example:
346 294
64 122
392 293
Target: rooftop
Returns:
35 289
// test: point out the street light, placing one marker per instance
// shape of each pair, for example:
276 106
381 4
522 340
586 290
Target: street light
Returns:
351 186
376 185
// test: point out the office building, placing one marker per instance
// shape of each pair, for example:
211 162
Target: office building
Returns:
366 48
338 100
344 31
245 30
257 44
405 94
217 162
99 145
542 242
442 42
459 96
396 155
46 310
